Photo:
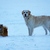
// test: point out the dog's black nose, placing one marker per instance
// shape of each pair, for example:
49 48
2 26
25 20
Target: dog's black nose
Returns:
25 15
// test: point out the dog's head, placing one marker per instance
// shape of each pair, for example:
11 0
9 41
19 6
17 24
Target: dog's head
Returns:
26 13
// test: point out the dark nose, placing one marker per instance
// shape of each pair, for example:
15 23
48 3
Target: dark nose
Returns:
25 15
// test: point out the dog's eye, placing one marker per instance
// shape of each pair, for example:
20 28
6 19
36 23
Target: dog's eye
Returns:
23 12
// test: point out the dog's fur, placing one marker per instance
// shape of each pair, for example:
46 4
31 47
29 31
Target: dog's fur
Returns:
35 21
3 30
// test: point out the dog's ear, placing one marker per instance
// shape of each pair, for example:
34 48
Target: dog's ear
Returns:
29 12
22 12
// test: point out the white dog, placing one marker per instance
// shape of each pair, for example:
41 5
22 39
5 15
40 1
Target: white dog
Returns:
35 21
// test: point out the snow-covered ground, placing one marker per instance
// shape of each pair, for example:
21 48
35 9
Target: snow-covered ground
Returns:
25 43
11 16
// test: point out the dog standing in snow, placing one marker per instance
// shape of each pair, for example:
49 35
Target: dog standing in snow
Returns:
35 21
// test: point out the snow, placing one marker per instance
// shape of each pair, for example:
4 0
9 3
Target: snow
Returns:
11 16
25 43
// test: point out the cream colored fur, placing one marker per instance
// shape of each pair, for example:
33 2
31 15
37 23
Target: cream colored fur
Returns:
35 21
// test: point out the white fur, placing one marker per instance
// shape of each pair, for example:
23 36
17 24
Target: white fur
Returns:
35 21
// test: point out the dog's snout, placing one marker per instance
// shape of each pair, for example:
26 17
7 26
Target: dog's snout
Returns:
25 15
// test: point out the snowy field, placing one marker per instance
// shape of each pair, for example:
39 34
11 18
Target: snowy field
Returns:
25 43
11 16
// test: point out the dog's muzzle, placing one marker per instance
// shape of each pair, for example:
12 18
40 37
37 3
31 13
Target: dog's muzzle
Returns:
25 15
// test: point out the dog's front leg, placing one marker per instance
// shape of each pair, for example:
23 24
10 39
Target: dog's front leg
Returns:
30 31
